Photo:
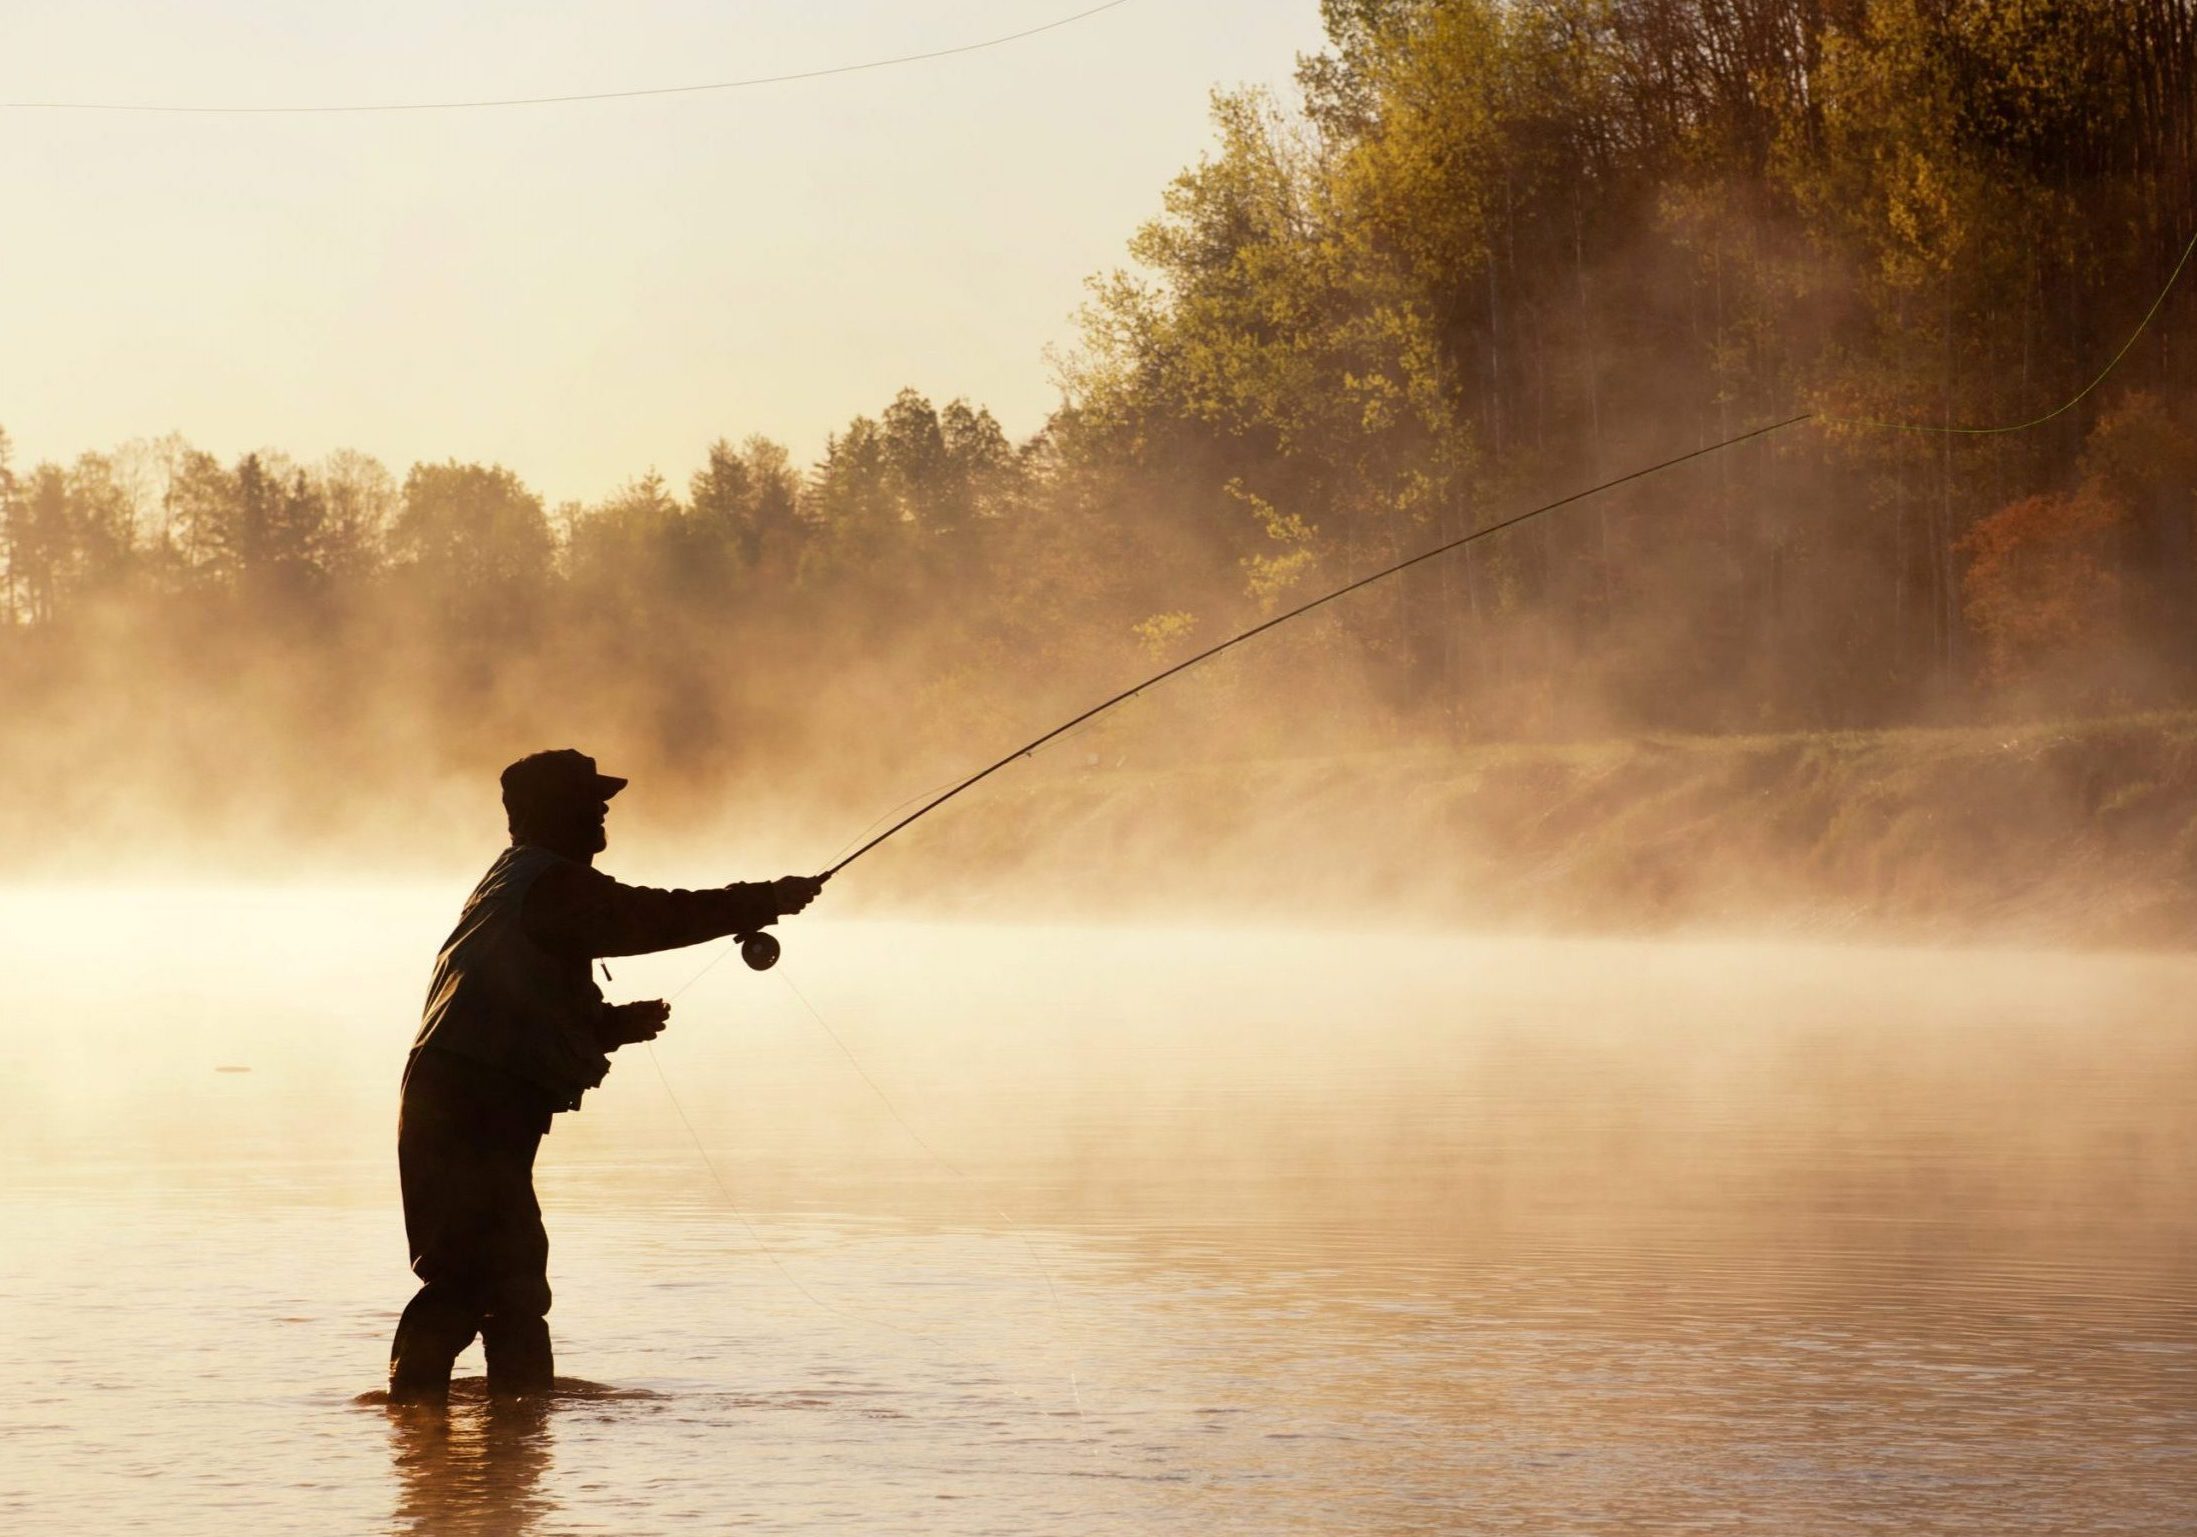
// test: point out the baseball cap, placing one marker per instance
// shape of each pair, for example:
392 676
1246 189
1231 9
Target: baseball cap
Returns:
559 776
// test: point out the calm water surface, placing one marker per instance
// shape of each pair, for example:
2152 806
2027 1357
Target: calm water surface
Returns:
1150 1231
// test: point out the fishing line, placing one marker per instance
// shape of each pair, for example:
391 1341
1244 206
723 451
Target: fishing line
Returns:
888 814
707 967
1061 1330
549 101
900 806
725 1191
2036 421
1052 1292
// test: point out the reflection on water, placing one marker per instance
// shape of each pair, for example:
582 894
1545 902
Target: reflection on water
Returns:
475 1469
1501 1236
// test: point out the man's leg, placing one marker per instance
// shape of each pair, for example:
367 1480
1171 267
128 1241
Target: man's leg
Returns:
515 1332
465 1161
438 1323
520 1358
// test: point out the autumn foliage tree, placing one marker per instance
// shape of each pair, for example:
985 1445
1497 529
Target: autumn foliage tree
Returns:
2061 585
2042 586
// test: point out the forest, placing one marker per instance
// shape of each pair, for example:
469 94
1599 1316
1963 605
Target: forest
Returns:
1491 251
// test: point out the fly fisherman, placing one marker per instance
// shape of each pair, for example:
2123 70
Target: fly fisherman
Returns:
516 1030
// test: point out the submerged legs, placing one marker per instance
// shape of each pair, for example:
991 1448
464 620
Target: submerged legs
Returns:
465 1156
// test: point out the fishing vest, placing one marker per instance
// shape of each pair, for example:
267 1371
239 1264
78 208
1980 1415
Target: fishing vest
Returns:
499 999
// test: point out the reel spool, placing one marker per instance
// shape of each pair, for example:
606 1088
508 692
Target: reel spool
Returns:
759 950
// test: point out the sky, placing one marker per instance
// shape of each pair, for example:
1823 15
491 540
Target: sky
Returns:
580 292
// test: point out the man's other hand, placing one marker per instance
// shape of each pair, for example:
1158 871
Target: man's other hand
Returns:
794 892
625 1023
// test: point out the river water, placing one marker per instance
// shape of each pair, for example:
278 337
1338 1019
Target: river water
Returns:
1025 1229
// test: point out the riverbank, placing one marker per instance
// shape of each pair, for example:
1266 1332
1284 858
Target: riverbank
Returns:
2081 834
2060 835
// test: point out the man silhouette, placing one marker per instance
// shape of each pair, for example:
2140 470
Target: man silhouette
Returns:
514 1031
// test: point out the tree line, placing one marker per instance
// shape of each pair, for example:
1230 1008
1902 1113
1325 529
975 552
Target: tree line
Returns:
1494 250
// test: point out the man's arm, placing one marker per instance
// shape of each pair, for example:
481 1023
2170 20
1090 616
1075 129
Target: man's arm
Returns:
572 910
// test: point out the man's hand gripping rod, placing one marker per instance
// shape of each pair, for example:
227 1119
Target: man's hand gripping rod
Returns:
794 892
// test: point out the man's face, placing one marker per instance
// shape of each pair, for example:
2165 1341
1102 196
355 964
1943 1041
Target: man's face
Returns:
576 827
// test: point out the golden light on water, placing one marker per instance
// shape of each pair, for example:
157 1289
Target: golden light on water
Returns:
1444 1214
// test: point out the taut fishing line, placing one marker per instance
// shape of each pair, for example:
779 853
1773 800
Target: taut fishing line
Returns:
2035 421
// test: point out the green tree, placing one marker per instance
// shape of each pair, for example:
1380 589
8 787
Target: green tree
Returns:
361 500
12 524
101 524
636 546
748 498
473 544
851 490
38 543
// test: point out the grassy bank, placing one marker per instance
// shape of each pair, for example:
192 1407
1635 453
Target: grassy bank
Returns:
2063 834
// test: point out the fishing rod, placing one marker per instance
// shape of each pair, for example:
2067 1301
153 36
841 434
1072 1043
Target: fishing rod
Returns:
761 950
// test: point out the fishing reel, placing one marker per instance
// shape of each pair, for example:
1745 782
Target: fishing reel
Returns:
760 950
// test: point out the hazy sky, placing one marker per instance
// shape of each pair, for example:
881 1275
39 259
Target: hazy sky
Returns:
579 292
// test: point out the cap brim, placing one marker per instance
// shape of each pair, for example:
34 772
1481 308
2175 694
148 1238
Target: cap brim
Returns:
607 785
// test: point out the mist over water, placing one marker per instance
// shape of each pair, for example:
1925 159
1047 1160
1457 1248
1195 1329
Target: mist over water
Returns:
1258 1229
1202 1129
